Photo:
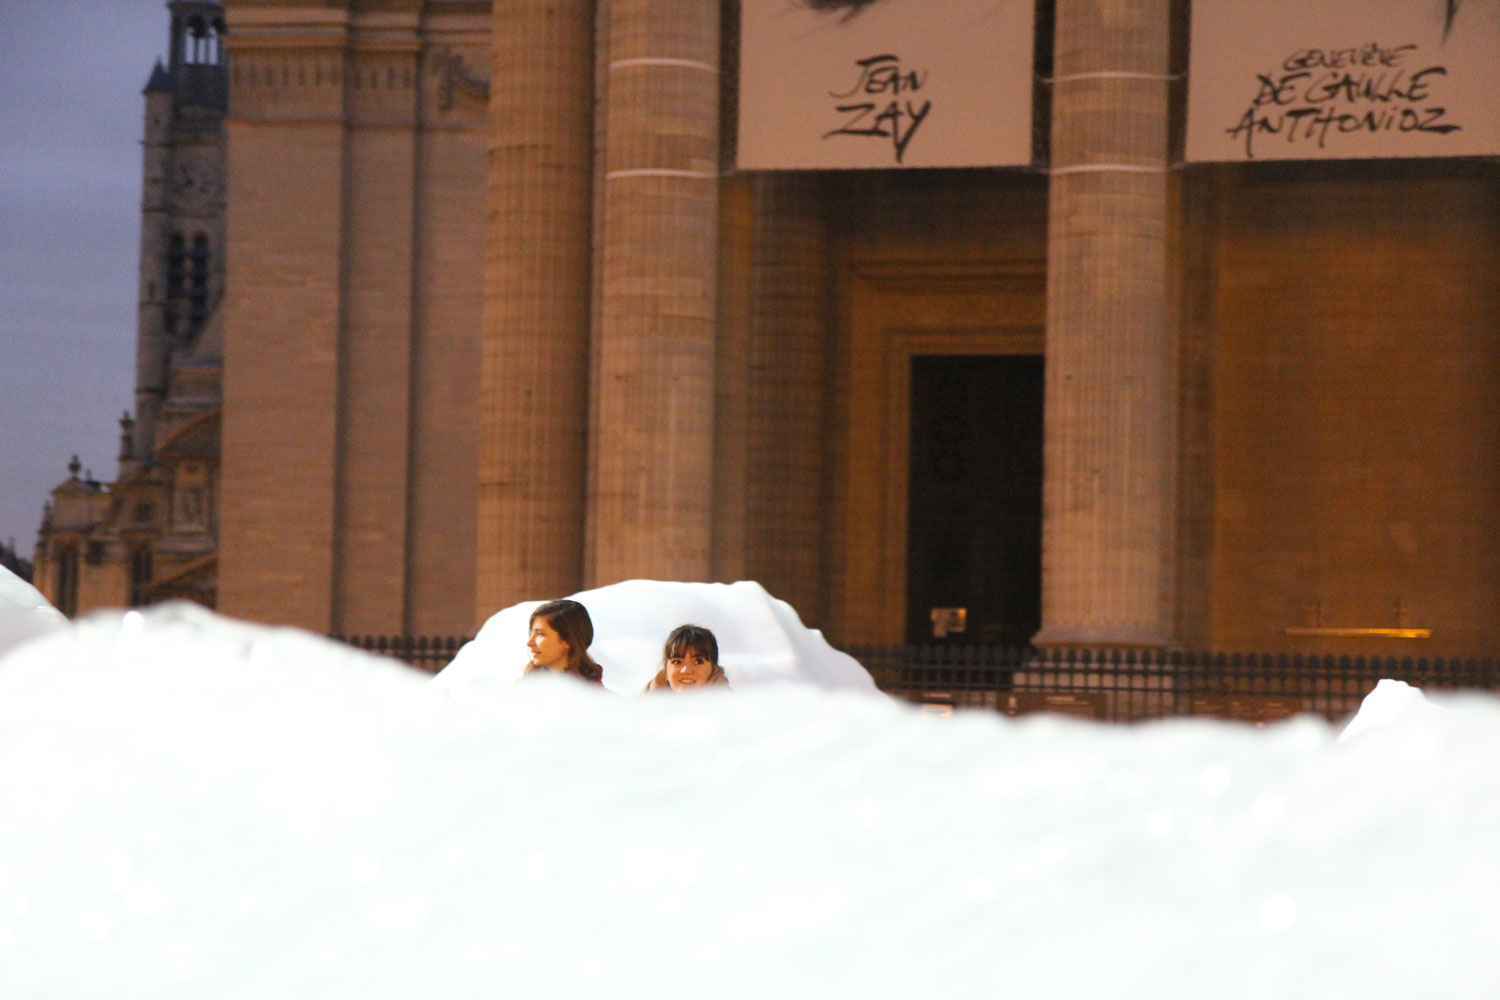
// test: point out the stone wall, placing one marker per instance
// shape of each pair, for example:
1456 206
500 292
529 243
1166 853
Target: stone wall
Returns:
1358 436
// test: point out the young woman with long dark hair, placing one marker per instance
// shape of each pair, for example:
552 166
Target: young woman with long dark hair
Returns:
561 632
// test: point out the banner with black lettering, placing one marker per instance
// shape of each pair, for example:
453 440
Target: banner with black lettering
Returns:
884 83
1298 80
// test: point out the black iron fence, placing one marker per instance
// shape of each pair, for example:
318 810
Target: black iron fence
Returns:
1131 685
425 652
1113 684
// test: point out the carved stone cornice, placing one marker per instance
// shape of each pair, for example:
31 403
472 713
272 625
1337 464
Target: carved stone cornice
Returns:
454 76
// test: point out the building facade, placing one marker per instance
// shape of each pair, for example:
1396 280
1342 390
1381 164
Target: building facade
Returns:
506 321
541 334
150 534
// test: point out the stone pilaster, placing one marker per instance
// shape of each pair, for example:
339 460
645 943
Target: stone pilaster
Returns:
1111 376
533 415
452 172
651 505
282 316
732 377
788 361
151 336
770 459
374 454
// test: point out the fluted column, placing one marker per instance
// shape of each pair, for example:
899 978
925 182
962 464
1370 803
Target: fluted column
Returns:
652 500
535 356
1110 383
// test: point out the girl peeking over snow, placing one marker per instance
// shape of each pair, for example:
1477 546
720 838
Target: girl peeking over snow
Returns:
690 660
561 632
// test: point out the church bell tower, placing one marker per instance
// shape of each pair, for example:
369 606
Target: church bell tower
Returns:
152 533
182 214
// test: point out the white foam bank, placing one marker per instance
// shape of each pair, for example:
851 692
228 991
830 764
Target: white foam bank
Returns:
24 612
761 639
198 808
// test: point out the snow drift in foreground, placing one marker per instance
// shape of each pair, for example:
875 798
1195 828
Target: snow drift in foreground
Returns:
761 639
24 612
198 808
1391 702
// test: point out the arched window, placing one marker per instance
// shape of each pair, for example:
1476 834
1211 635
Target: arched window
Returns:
176 266
193 41
65 570
197 290
140 574
197 40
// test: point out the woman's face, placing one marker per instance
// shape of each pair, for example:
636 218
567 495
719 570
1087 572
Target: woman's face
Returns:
547 647
688 669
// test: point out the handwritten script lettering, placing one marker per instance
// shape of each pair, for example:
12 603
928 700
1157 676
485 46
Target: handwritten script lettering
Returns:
1317 95
882 103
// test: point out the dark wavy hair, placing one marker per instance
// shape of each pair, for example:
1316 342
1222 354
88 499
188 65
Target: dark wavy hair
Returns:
571 621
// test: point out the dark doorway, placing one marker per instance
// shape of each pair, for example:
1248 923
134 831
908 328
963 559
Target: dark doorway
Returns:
975 498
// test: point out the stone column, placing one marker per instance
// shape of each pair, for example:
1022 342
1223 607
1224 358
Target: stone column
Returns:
652 499
533 414
1111 377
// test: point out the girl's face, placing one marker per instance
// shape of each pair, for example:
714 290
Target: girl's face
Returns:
547 647
687 669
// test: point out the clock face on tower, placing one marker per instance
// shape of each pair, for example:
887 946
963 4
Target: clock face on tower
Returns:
195 184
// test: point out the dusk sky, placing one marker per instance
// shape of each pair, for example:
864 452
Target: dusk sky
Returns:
71 72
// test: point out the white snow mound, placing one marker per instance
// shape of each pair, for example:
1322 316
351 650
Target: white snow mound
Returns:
196 808
761 639
24 612
1389 703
